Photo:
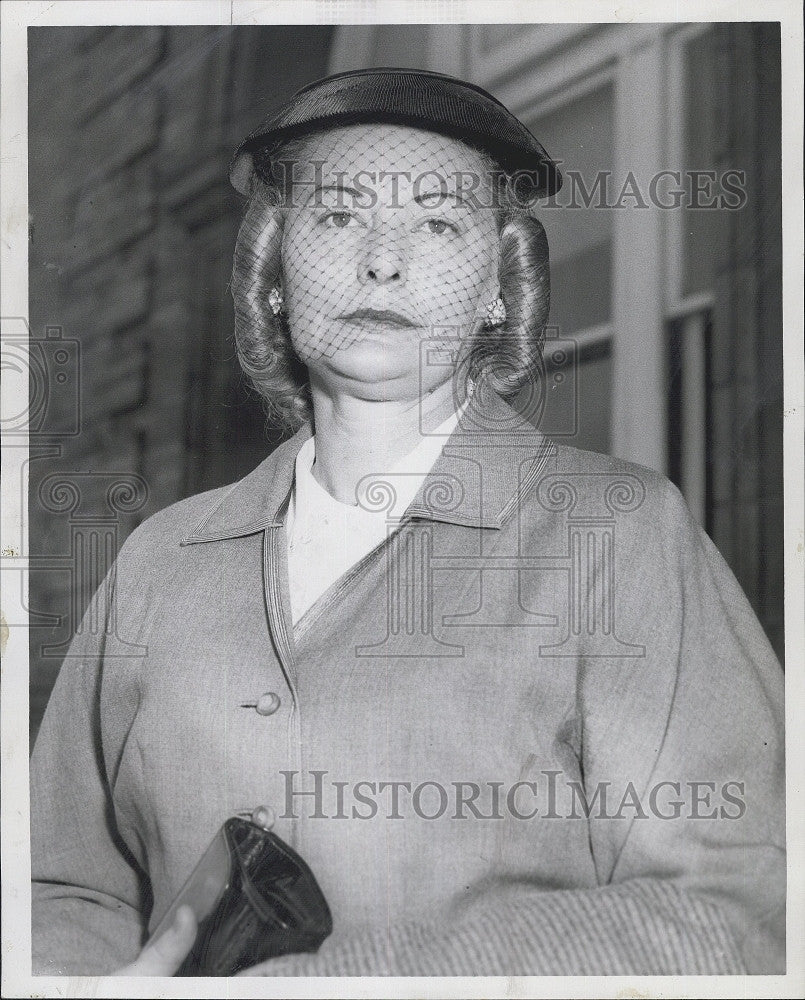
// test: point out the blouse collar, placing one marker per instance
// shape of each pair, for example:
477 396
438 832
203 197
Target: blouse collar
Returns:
493 457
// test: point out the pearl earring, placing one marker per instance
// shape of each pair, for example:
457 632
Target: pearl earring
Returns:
495 313
276 300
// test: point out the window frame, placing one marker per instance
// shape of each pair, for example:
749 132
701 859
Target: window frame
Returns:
633 59
688 317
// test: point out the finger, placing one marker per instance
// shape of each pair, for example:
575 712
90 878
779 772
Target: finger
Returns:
166 954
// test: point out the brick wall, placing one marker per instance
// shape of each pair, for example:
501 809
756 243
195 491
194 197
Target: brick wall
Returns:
132 228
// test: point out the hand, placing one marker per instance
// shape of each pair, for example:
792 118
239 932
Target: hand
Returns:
164 956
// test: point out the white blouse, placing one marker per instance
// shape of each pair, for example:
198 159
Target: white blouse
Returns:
326 537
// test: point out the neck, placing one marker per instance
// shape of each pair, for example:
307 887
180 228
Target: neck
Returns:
358 437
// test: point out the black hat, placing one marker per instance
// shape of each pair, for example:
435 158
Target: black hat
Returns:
412 97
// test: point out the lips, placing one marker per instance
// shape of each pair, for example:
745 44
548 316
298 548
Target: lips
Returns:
379 317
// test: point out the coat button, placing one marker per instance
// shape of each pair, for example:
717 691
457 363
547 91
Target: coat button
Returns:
264 816
267 704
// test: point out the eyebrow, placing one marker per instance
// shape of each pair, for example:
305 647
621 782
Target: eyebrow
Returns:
342 189
443 195
419 199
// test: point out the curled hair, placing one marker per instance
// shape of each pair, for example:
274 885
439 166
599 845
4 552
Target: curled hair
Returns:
507 357
263 340
510 355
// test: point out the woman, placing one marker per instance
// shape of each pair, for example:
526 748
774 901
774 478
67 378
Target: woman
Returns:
503 696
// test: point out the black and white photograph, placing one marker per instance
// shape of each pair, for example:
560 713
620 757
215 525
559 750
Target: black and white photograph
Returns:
402 557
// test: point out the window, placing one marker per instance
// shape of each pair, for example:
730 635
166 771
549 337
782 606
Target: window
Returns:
579 374
693 235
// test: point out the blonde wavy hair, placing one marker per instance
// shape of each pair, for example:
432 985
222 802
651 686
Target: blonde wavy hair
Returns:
508 356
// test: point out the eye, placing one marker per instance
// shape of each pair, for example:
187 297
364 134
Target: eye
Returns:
338 220
438 227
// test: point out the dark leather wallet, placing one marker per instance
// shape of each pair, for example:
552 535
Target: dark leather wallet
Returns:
254 899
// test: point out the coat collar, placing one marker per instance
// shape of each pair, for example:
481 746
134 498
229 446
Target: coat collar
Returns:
492 458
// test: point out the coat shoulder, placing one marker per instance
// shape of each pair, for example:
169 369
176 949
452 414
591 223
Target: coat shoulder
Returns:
641 498
173 523
572 460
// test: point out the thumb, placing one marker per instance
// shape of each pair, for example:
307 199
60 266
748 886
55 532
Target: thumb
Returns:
164 956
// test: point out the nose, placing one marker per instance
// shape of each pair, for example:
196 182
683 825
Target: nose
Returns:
382 261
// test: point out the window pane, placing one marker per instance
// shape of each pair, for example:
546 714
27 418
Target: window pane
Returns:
580 135
700 225
578 395
580 289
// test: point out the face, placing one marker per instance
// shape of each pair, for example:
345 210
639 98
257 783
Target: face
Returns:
385 245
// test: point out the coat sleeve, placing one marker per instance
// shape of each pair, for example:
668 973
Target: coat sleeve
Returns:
89 895
696 888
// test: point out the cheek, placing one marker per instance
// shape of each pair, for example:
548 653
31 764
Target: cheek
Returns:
314 281
318 290
470 263
459 281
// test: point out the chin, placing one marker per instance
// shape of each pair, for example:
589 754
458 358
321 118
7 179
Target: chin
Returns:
371 363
